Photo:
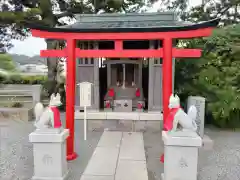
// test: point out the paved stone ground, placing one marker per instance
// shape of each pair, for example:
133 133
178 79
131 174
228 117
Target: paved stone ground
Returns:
16 161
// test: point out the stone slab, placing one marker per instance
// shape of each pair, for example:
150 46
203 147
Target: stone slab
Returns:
151 116
22 114
186 141
162 176
132 153
127 116
131 170
122 105
86 177
207 143
123 115
65 177
132 139
103 162
110 139
93 115
199 103
132 147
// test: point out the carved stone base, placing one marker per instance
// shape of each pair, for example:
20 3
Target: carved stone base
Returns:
49 151
49 131
162 176
180 156
51 178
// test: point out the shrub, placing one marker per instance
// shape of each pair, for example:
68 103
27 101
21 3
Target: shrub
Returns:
215 76
17 105
22 79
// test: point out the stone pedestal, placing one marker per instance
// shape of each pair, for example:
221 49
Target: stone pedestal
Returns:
49 152
181 155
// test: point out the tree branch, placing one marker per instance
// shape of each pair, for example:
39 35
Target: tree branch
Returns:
8 18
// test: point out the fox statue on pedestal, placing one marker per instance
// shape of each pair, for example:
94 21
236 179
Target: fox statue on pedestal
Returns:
177 117
48 117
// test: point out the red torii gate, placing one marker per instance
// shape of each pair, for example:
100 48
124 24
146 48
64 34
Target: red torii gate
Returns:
71 52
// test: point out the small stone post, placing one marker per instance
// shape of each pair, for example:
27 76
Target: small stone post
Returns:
49 152
36 90
180 155
199 103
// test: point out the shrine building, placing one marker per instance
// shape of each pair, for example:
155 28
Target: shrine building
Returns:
129 59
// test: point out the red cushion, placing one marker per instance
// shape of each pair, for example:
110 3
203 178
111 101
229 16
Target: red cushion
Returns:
137 93
111 92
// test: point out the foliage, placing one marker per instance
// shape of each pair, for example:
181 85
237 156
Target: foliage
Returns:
6 62
22 79
216 75
228 11
17 105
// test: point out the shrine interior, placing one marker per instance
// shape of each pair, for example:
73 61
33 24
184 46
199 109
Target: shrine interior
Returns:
132 73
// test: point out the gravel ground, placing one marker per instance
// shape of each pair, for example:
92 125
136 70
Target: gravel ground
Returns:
220 163
16 161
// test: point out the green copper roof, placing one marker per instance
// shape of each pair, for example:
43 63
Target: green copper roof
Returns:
131 20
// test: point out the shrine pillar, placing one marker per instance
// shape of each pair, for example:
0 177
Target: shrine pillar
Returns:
155 101
167 75
87 71
70 96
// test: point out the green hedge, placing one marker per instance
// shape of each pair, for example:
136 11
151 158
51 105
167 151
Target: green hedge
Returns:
23 79
38 79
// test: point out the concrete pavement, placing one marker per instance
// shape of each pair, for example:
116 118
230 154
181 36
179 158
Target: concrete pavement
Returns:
16 156
118 156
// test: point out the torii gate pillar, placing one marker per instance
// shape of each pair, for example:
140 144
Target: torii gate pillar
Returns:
167 75
70 96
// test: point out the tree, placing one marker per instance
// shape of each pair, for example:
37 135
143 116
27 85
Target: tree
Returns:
16 13
220 76
216 74
228 11
6 63
7 67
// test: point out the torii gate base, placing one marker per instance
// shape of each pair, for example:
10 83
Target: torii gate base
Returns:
71 53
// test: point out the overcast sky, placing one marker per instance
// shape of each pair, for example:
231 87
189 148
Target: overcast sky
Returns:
32 46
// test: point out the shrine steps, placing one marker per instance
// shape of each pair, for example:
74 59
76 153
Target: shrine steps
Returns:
137 116
118 156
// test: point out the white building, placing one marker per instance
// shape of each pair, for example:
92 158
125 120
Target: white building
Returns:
33 68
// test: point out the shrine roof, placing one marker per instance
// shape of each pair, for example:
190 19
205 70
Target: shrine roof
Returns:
130 22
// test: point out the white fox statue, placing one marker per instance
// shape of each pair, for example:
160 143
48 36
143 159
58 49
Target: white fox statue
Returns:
48 117
187 121
177 116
